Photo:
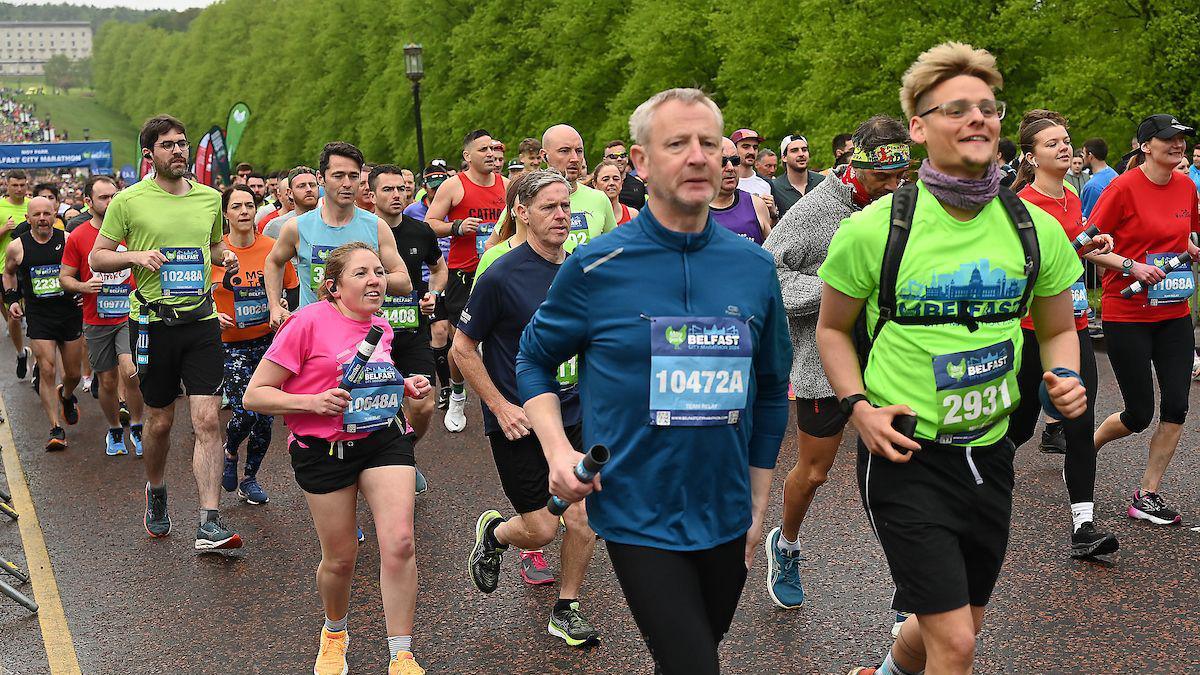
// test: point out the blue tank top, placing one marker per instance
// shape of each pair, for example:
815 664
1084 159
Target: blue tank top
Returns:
739 217
317 239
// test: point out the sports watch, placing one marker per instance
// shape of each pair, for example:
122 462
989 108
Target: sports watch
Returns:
1126 267
847 404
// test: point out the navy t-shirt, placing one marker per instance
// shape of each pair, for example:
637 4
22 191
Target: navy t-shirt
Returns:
501 305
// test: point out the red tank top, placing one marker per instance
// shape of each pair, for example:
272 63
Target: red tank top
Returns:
625 218
486 203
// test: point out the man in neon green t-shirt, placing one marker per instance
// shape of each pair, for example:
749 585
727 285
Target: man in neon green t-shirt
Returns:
12 213
940 501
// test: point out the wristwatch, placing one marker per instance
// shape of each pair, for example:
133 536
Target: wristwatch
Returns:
1127 267
847 404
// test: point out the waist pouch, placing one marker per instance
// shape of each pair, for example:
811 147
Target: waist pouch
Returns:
338 449
174 316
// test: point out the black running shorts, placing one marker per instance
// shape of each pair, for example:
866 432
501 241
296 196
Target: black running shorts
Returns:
458 289
412 354
52 325
820 417
320 471
524 474
190 353
942 520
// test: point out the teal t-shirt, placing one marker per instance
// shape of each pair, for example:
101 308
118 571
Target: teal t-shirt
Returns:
961 384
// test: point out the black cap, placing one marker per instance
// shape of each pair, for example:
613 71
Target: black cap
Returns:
1162 126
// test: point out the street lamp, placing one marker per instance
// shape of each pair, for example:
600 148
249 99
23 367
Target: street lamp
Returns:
414 67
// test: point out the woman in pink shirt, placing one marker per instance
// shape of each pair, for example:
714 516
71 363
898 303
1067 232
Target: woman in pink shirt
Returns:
334 458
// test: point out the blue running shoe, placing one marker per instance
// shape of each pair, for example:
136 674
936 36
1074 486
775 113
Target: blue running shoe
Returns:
229 479
114 443
422 484
361 537
135 435
252 492
783 573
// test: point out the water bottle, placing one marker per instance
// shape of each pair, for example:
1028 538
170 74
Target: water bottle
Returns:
143 341
1168 267
354 371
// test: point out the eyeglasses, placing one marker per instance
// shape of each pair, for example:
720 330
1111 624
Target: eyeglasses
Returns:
170 145
616 155
734 160
958 109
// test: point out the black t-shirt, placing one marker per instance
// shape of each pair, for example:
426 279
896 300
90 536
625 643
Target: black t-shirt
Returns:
501 305
417 245
78 220
633 192
38 276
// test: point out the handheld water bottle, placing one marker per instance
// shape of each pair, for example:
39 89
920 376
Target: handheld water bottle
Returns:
585 471
354 371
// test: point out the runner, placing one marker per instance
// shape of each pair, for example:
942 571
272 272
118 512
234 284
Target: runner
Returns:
633 190
607 179
799 243
1150 211
53 317
510 231
281 206
172 228
409 316
500 307
466 208
258 186
303 189
735 209
766 163
105 320
12 213
949 353
300 379
680 532
363 198
797 179
242 308
439 327
529 152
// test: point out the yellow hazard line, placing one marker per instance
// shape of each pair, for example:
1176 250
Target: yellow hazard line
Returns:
60 648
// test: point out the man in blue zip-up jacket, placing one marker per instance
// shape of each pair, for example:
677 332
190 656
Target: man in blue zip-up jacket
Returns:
684 359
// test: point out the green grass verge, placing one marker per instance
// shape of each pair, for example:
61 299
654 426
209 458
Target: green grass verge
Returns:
78 110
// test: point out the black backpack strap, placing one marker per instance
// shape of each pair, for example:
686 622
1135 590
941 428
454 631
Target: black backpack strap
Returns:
904 205
1020 218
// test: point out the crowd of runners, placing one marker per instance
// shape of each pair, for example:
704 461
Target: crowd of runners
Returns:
940 306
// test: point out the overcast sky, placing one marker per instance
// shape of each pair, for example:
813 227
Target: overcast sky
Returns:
135 4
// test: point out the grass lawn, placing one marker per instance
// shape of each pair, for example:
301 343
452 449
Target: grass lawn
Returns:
78 110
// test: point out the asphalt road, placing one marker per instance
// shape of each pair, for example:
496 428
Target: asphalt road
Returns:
135 605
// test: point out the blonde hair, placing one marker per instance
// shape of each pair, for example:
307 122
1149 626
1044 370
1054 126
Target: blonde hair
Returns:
336 262
940 63
643 116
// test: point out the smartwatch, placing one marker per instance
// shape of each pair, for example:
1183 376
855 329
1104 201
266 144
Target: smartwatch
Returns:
1127 267
847 404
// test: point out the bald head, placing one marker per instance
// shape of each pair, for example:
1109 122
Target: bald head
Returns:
727 147
563 148
40 212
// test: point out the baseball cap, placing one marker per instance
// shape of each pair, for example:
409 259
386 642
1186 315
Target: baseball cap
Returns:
743 134
515 165
435 175
788 140
1162 126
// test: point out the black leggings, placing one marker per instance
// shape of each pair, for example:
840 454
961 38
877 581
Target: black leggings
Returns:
1079 466
1132 347
682 601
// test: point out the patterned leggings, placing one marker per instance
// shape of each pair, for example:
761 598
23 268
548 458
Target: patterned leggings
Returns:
241 358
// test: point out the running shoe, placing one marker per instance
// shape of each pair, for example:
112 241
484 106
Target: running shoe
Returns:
484 562
36 380
114 443
422 484
85 383
69 407
23 363
404 664
123 413
1149 506
901 617
443 398
57 440
534 569
135 434
252 492
570 625
213 535
783 573
331 658
1054 440
157 522
1087 541
456 416
361 536
229 479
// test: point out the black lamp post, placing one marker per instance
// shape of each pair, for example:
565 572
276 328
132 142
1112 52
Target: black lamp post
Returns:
414 66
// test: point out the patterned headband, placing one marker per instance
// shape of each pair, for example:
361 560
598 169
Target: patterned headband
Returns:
885 157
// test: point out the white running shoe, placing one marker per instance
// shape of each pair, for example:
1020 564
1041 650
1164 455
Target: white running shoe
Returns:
456 416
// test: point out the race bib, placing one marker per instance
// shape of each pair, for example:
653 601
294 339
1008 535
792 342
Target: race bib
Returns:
112 302
481 236
1177 287
975 389
568 373
699 370
183 273
579 233
376 401
401 312
250 306
44 279
1079 297
317 266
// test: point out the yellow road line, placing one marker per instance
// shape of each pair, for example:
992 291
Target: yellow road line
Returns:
60 648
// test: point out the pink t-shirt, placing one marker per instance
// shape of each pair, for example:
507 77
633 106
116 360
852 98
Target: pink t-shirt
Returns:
314 344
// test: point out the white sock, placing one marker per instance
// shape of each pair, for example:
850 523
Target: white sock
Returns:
790 546
399 643
336 626
1081 512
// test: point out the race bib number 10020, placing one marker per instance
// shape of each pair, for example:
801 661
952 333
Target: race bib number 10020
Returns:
699 370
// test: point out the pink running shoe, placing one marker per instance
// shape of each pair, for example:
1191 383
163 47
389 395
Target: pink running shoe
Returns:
534 570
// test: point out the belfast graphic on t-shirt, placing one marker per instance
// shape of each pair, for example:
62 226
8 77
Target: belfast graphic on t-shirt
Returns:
974 287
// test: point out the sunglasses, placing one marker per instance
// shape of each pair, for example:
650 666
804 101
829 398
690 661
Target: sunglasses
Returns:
734 160
614 155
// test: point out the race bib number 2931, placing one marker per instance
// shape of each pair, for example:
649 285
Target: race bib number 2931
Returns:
975 389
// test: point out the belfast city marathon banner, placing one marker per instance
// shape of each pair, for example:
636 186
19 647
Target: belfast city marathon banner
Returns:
95 156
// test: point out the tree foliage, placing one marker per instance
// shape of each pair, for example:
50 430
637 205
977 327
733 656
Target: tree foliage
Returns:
63 72
311 71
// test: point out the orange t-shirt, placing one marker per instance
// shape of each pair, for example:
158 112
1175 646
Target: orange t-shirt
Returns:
244 298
